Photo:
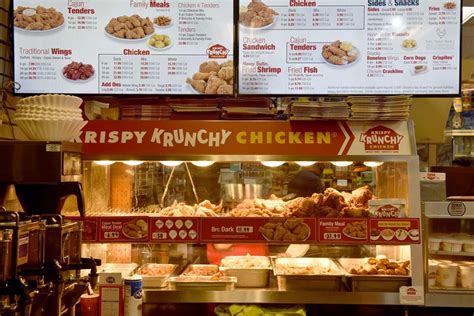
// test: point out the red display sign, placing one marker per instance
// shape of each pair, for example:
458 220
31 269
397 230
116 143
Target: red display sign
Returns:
174 229
127 228
106 139
343 230
395 231
251 230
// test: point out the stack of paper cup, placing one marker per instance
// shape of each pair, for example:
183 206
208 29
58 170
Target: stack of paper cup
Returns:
446 275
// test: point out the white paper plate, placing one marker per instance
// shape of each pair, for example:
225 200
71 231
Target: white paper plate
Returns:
126 39
53 100
51 130
275 18
160 49
38 32
410 49
79 80
346 65
190 88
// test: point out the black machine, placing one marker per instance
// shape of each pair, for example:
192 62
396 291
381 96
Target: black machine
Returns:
40 251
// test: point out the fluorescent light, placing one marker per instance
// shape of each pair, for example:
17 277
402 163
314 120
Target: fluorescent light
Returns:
104 162
373 164
171 163
133 163
342 163
202 163
272 163
305 163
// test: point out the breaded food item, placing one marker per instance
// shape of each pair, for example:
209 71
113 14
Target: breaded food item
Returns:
130 27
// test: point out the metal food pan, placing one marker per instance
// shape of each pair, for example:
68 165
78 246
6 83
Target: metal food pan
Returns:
320 274
193 270
186 283
369 282
150 281
249 277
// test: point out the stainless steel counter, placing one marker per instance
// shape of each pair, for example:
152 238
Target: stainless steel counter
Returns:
450 299
157 296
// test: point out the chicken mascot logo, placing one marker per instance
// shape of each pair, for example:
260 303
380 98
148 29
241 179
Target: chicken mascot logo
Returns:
217 51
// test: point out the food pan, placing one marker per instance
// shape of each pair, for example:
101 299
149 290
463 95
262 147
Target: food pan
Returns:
156 275
250 271
310 274
201 270
369 282
203 283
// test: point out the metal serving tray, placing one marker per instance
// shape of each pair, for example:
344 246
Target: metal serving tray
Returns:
151 281
202 283
372 283
310 274
201 270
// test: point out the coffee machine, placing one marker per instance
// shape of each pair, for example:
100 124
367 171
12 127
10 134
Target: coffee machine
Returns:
46 280
44 174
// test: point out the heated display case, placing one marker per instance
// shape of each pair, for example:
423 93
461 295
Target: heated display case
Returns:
368 252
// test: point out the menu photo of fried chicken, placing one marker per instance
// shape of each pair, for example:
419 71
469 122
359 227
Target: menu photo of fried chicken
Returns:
213 78
257 15
285 229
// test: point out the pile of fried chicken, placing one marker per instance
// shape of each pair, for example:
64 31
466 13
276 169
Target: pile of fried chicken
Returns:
331 203
203 209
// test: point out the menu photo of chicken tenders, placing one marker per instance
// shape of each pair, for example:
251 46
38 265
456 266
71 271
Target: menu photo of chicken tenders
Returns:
115 229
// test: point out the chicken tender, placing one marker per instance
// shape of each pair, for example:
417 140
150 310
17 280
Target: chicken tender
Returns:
199 85
210 66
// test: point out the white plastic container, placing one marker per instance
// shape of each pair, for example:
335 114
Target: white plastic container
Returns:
451 244
467 276
468 245
132 296
434 243
446 275
432 270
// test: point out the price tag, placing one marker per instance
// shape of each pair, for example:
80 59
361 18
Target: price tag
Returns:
244 229
332 236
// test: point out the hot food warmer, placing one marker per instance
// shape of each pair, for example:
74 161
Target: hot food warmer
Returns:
160 160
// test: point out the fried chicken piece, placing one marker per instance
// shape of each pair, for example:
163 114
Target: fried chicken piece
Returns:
213 84
229 63
301 231
209 67
225 89
280 231
350 211
199 85
226 73
292 223
361 197
267 233
289 236
334 199
203 75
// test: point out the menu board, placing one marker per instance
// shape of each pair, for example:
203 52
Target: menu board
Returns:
124 46
298 47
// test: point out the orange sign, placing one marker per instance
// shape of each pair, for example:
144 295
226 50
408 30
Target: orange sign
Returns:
109 139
